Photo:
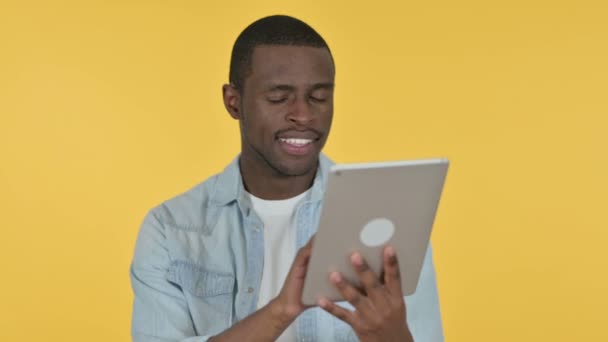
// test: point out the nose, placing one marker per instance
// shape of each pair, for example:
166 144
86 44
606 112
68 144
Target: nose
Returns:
300 112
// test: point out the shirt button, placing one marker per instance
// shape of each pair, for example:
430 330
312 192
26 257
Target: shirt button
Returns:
250 290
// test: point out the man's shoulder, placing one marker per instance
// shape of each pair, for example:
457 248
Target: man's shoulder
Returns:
189 209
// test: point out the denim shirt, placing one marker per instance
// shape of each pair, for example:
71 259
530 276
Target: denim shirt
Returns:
198 263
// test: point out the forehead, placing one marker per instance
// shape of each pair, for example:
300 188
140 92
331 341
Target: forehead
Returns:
291 65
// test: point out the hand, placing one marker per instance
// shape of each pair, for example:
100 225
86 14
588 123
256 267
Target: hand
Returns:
380 312
269 322
289 300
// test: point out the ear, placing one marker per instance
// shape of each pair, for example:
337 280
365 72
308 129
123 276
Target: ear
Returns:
232 101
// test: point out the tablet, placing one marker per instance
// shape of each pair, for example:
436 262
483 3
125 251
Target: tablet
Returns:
367 206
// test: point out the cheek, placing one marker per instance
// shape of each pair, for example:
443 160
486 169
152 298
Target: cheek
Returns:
263 112
326 113
260 126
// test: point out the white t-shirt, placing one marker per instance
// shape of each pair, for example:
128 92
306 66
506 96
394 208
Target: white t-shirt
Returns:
278 218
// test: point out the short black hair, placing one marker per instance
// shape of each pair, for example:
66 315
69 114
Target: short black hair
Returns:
271 30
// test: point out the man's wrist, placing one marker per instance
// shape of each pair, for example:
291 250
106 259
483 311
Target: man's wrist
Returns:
280 315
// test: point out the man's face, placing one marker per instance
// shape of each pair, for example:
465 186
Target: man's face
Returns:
286 107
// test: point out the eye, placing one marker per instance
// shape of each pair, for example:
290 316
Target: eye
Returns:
277 100
321 95
318 99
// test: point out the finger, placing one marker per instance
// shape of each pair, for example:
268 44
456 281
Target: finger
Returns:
310 241
392 276
307 248
300 263
349 292
338 311
302 256
369 279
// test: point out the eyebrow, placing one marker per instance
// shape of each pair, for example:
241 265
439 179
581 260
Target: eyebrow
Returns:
287 87
281 87
326 85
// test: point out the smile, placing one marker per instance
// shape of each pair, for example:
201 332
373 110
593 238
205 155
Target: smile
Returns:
296 142
297 147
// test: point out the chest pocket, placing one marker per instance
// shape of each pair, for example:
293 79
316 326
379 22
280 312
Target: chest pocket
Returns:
209 295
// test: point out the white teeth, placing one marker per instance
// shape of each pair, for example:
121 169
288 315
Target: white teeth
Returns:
296 142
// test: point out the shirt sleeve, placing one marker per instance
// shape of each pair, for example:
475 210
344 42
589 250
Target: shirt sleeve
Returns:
160 311
423 314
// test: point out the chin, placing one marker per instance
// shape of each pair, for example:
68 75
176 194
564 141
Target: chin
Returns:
298 168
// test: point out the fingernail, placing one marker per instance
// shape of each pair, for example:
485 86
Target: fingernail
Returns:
356 259
390 251
335 277
323 302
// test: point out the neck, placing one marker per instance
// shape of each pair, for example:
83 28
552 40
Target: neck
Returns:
264 182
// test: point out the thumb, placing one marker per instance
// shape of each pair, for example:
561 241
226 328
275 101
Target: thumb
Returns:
310 242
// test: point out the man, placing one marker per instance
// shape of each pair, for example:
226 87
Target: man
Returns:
226 260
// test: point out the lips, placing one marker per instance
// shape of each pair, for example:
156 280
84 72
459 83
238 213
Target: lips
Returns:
296 134
298 143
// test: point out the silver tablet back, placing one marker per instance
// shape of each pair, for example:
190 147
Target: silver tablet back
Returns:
367 206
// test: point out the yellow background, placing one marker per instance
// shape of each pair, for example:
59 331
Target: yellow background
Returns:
109 107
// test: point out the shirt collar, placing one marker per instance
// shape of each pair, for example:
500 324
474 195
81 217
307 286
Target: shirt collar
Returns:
229 187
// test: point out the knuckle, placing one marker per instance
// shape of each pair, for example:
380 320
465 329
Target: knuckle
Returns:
341 285
368 328
363 267
385 315
333 309
353 297
397 303
365 329
363 326
395 274
341 315
377 320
